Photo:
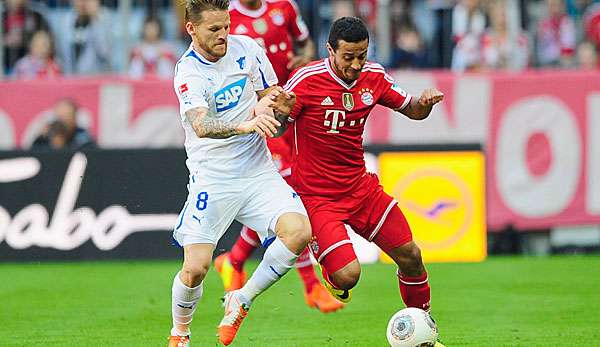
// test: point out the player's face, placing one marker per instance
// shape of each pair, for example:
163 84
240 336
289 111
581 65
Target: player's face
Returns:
349 58
210 33
253 4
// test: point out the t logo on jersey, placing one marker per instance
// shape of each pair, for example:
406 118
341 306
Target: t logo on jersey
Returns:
334 119
229 96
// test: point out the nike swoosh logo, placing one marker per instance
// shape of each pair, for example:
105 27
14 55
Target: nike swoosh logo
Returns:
344 295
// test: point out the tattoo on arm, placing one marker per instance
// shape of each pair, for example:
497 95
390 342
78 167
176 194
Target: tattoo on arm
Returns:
205 126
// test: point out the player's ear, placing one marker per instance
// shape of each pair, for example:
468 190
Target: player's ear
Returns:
330 50
189 27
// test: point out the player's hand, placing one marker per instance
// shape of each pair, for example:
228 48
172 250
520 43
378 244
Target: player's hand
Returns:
296 61
284 102
430 97
265 105
264 125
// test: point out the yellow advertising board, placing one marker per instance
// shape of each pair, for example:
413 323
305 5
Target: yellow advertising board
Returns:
442 195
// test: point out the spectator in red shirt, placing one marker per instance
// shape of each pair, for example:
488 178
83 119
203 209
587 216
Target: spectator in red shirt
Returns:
39 62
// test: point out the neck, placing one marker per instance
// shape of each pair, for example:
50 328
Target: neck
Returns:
253 5
337 71
204 53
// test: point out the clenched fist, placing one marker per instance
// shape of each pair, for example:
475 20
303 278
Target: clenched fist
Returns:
430 97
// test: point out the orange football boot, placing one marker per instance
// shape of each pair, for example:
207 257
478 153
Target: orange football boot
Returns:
320 298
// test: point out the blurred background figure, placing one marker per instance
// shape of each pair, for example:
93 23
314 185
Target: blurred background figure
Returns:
63 132
591 24
556 36
39 62
85 45
408 49
468 26
20 21
587 56
503 48
152 57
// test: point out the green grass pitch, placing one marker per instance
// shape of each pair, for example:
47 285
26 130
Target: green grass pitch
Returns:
510 301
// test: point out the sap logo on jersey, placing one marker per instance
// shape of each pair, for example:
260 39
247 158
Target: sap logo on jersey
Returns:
228 97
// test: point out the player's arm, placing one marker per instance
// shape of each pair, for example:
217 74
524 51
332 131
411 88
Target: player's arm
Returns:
420 108
297 29
210 127
306 53
281 102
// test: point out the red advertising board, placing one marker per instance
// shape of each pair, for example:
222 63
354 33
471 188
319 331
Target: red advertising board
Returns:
540 131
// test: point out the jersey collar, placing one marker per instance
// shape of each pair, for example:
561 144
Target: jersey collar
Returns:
336 78
248 12
192 53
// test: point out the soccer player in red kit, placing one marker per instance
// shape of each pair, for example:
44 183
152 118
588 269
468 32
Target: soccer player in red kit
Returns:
278 27
334 99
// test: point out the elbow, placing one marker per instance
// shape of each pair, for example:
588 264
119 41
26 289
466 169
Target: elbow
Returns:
199 132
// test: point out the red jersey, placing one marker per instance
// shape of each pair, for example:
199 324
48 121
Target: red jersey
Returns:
329 120
276 25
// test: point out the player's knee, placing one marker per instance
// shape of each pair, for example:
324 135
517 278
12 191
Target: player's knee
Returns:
347 277
294 231
408 258
193 274
414 254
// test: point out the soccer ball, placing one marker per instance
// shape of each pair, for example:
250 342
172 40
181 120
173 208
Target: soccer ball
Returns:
411 327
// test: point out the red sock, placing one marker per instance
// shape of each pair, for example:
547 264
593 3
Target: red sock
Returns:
415 291
243 248
306 270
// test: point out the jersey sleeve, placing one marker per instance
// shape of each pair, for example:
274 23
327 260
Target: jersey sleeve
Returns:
392 95
296 25
298 89
263 75
192 91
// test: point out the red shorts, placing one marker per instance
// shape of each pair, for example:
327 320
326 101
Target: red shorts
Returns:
370 212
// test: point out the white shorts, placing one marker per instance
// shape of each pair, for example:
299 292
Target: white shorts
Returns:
256 202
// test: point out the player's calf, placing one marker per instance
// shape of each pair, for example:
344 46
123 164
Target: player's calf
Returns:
412 277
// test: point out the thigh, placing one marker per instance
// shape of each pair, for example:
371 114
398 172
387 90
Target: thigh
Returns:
207 213
394 232
267 198
374 209
330 244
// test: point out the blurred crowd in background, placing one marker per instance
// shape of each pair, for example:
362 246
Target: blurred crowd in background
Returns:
143 39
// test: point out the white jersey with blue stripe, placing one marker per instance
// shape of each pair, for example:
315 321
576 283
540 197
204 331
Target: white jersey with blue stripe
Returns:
227 88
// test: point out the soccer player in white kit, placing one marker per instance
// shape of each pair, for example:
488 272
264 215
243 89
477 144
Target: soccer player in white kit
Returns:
232 175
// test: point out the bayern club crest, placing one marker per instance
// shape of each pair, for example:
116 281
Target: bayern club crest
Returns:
314 246
366 96
277 17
